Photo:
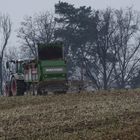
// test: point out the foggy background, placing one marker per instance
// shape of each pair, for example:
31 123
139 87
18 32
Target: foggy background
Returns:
18 9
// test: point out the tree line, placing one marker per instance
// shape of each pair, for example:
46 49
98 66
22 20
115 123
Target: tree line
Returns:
101 46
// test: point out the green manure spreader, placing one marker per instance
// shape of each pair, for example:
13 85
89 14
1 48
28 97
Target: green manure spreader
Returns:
46 73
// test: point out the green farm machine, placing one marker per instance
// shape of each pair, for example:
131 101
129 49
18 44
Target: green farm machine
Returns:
47 73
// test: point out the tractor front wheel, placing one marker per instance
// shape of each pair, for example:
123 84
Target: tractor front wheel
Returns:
17 87
7 91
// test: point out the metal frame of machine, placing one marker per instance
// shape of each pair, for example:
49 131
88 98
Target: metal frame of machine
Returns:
47 73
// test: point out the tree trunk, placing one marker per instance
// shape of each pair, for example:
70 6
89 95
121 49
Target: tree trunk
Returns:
1 78
104 78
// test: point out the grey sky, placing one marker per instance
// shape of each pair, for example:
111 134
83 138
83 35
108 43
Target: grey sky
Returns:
17 9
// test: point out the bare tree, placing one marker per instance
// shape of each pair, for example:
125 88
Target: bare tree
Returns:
12 53
101 63
37 29
116 51
5 31
127 46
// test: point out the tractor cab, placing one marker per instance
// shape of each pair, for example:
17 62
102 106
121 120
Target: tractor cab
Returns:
15 66
15 84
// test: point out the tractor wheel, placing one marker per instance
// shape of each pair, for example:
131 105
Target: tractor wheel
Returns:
33 89
41 91
17 87
7 90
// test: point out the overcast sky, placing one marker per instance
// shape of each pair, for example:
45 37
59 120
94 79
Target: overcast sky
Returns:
17 9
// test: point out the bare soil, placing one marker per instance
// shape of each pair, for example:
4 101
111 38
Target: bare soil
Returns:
112 115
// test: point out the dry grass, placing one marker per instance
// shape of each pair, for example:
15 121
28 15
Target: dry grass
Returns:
98 116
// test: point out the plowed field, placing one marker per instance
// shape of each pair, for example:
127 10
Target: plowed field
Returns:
83 116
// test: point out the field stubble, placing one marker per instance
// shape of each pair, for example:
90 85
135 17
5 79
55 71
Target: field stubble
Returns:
85 116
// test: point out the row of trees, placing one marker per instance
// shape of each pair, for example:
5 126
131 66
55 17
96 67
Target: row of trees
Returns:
104 45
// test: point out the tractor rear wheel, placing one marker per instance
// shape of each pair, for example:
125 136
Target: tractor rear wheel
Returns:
41 91
17 87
